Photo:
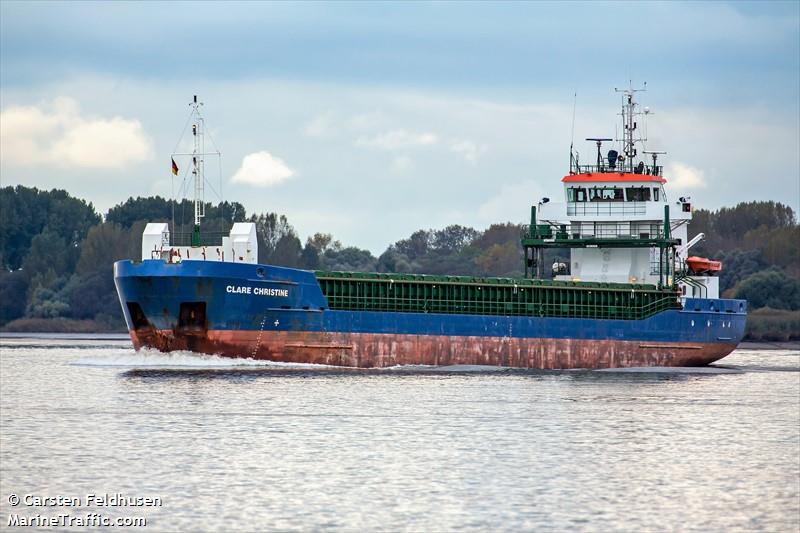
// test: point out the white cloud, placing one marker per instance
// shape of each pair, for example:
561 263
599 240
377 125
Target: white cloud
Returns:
102 143
262 169
682 176
398 139
469 150
56 134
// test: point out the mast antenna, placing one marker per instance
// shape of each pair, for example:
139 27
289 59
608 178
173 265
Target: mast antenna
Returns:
572 133
198 156
629 123
198 164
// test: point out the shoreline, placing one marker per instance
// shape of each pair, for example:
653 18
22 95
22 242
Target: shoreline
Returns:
761 345
122 336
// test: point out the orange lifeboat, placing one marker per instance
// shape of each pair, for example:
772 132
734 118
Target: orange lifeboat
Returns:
701 265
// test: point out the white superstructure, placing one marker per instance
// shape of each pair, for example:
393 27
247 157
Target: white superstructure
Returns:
619 222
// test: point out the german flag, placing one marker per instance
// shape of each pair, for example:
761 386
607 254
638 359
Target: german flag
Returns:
174 167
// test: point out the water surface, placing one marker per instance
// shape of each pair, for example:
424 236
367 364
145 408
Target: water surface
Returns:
259 446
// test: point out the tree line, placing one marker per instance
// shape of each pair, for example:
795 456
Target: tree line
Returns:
57 254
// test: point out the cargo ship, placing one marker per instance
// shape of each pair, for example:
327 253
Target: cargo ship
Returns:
629 296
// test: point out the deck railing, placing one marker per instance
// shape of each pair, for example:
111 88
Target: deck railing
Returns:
210 238
645 170
597 230
606 208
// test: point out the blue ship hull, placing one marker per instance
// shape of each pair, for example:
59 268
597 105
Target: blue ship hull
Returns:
281 314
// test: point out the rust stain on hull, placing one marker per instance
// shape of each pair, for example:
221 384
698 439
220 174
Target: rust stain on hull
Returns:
370 350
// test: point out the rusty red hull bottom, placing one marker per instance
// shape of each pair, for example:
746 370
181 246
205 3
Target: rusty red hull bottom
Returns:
371 350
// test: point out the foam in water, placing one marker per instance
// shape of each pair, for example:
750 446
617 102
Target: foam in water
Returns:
673 370
146 358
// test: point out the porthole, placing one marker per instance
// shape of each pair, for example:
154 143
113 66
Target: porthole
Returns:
260 272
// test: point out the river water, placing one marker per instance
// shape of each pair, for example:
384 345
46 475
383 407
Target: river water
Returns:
218 445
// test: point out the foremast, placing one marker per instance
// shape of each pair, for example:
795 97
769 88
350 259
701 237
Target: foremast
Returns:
198 164
197 155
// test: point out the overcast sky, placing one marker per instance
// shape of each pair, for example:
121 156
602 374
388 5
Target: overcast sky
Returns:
372 120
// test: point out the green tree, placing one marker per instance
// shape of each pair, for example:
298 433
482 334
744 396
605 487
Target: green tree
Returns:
393 261
416 246
271 228
90 293
13 295
104 244
49 251
26 212
738 265
348 259
157 209
770 288
45 303
287 252
728 227
500 260
452 239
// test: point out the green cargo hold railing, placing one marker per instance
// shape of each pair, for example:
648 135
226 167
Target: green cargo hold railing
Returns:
355 291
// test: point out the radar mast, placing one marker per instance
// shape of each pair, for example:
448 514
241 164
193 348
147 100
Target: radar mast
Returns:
630 124
198 163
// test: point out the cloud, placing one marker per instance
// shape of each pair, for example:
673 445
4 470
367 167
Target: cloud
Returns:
469 150
56 134
682 176
398 139
262 169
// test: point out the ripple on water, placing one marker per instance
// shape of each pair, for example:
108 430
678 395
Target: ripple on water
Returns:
254 445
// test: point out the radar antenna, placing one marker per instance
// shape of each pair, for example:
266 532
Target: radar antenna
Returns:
654 154
599 141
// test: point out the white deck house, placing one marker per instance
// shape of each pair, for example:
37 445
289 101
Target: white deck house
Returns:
628 208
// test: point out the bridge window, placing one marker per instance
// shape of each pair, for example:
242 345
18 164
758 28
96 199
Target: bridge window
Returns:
638 194
576 194
655 194
606 194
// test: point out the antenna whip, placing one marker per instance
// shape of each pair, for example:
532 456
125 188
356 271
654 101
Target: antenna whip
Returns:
572 133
